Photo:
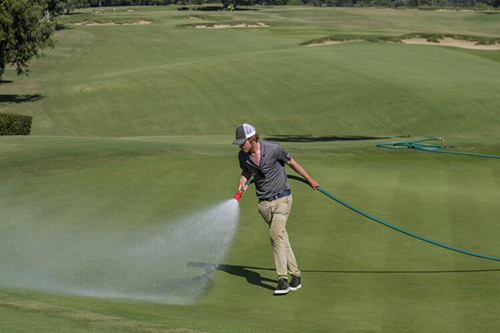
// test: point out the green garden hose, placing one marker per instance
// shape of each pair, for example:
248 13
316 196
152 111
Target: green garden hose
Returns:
376 219
429 147
419 145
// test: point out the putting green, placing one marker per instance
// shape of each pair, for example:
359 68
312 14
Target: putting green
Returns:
133 131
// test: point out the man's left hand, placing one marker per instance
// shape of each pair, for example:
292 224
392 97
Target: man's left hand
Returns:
313 183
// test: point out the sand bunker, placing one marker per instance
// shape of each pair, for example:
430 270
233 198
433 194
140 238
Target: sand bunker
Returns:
332 42
141 22
456 10
465 44
225 26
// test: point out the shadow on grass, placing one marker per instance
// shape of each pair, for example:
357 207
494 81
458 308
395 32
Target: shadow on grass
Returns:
374 271
20 98
252 277
61 27
408 272
5 81
310 138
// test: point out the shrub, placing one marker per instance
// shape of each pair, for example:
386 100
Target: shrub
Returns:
15 124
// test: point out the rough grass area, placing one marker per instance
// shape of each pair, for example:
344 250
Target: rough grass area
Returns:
74 319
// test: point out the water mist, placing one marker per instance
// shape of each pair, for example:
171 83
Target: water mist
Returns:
151 264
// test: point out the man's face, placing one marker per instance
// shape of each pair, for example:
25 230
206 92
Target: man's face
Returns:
246 147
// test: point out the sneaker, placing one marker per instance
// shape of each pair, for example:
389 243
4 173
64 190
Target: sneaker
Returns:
282 288
296 283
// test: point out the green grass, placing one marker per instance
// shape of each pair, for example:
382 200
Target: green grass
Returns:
493 56
134 130
352 267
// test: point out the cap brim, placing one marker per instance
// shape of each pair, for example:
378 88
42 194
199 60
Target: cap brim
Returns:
239 142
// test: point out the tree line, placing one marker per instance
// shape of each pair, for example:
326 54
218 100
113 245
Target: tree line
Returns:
407 3
73 4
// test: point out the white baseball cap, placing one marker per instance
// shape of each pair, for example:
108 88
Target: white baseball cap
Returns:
243 132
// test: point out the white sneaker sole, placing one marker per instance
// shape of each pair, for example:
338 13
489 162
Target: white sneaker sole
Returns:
281 292
296 288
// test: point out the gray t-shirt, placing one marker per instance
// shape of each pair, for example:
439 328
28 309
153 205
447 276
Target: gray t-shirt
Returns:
270 176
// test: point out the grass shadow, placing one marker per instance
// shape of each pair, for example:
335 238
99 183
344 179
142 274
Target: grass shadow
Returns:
14 98
5 81
310 138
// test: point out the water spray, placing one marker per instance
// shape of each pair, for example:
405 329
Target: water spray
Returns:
150 264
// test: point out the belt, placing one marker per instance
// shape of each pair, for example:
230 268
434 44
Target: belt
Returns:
285 193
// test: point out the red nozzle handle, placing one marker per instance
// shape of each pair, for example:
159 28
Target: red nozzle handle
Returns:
240 193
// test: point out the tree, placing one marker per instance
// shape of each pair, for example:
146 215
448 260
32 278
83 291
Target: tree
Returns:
24 33
70 5
54 8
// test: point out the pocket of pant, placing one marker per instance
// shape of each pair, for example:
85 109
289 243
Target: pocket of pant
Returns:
265 212
284 206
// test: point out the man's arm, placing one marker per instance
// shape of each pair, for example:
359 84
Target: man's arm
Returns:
300 170
245 176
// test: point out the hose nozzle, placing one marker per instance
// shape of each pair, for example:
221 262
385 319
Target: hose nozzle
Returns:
242 190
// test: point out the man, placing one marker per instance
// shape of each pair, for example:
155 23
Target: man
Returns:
266 161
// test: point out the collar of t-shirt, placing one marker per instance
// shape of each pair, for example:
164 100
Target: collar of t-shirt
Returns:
262 155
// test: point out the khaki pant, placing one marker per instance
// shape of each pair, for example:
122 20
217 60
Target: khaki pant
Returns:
275 213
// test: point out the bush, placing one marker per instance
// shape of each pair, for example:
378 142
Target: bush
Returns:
15 124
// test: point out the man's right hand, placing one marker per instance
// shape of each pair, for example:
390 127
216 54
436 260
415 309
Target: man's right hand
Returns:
242 187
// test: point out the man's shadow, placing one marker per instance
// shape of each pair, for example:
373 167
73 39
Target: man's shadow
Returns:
256 279
252 277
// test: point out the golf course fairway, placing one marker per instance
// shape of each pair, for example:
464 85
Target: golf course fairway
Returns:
131 139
